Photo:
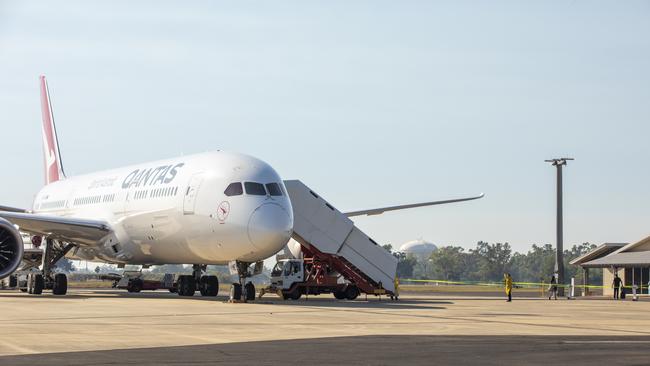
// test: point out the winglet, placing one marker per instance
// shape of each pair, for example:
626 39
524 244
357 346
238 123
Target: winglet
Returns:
51 153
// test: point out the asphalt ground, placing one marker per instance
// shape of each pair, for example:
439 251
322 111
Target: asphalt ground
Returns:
102 327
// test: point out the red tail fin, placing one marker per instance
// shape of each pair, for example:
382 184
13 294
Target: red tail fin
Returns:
52 155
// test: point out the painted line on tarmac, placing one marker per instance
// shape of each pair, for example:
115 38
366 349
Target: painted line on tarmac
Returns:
480 320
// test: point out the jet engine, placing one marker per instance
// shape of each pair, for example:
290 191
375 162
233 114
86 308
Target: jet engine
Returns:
11 248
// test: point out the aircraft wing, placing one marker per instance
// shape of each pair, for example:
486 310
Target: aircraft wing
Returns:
12 209
381 210
68 229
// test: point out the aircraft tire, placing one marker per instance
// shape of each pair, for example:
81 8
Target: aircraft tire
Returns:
209 286
249 291
203 286
186 285
235 291
38 284
13 281
60 285
30 284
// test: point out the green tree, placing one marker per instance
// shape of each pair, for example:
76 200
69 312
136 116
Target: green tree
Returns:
491 260
450 263
405 265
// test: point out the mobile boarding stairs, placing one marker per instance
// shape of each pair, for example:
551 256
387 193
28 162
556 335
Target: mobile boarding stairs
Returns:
330 240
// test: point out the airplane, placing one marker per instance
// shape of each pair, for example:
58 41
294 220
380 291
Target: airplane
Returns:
205 209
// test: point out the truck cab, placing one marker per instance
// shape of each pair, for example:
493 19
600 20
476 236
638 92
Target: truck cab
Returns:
287 272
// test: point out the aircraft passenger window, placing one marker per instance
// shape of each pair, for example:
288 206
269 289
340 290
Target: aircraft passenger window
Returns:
234 189
274 189
255 189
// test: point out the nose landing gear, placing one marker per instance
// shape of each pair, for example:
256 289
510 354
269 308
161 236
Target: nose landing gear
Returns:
240 291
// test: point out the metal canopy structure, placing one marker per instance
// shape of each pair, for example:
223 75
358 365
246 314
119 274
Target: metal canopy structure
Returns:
598 252
617 255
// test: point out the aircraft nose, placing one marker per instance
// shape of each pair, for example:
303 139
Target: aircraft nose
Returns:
270 226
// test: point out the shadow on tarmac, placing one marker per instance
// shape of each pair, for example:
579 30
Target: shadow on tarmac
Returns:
373 350
311 301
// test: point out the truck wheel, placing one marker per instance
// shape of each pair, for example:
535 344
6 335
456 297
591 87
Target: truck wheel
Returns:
295 294
135 285
13 281
352 292
235 291
249 291
339 295
60 285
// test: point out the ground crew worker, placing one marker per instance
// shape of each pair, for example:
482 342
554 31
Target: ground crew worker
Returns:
616 284
552 288
507 279
395 295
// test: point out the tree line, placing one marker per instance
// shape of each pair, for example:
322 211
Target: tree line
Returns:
488 262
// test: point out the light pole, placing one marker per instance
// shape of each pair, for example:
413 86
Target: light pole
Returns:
559 250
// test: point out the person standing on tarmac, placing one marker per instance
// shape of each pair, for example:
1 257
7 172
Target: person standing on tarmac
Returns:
616 284
507 279
552 288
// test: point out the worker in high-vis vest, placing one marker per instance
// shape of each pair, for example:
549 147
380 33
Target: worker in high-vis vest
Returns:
507 279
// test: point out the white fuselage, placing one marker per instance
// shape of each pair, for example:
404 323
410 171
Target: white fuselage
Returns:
178 210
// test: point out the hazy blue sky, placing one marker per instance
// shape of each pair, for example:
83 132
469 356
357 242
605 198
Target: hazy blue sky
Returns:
369 103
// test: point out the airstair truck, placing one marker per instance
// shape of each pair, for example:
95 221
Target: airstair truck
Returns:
336 257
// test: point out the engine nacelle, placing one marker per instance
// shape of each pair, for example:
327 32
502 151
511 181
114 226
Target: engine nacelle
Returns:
11 248
293 250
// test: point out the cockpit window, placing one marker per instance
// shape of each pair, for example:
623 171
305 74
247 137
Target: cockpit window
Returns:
274 189
234 189
255 189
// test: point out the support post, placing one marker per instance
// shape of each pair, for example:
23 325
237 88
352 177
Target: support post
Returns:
559 250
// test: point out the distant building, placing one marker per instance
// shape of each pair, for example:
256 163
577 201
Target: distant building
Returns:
420 248
630 261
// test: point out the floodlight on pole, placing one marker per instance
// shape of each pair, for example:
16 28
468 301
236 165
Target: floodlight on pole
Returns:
559 250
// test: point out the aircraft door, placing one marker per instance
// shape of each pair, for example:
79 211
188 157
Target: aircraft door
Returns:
191 192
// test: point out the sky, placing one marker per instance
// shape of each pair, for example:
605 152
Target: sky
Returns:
370 103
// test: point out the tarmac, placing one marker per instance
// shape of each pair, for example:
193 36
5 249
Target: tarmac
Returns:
102 327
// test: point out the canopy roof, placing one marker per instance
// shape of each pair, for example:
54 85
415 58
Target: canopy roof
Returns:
617 255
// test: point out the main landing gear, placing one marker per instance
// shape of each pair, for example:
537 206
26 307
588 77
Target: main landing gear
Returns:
244 291
47 279
188 284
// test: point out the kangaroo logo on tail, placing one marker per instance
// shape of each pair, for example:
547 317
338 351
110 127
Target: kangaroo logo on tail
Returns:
51 153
